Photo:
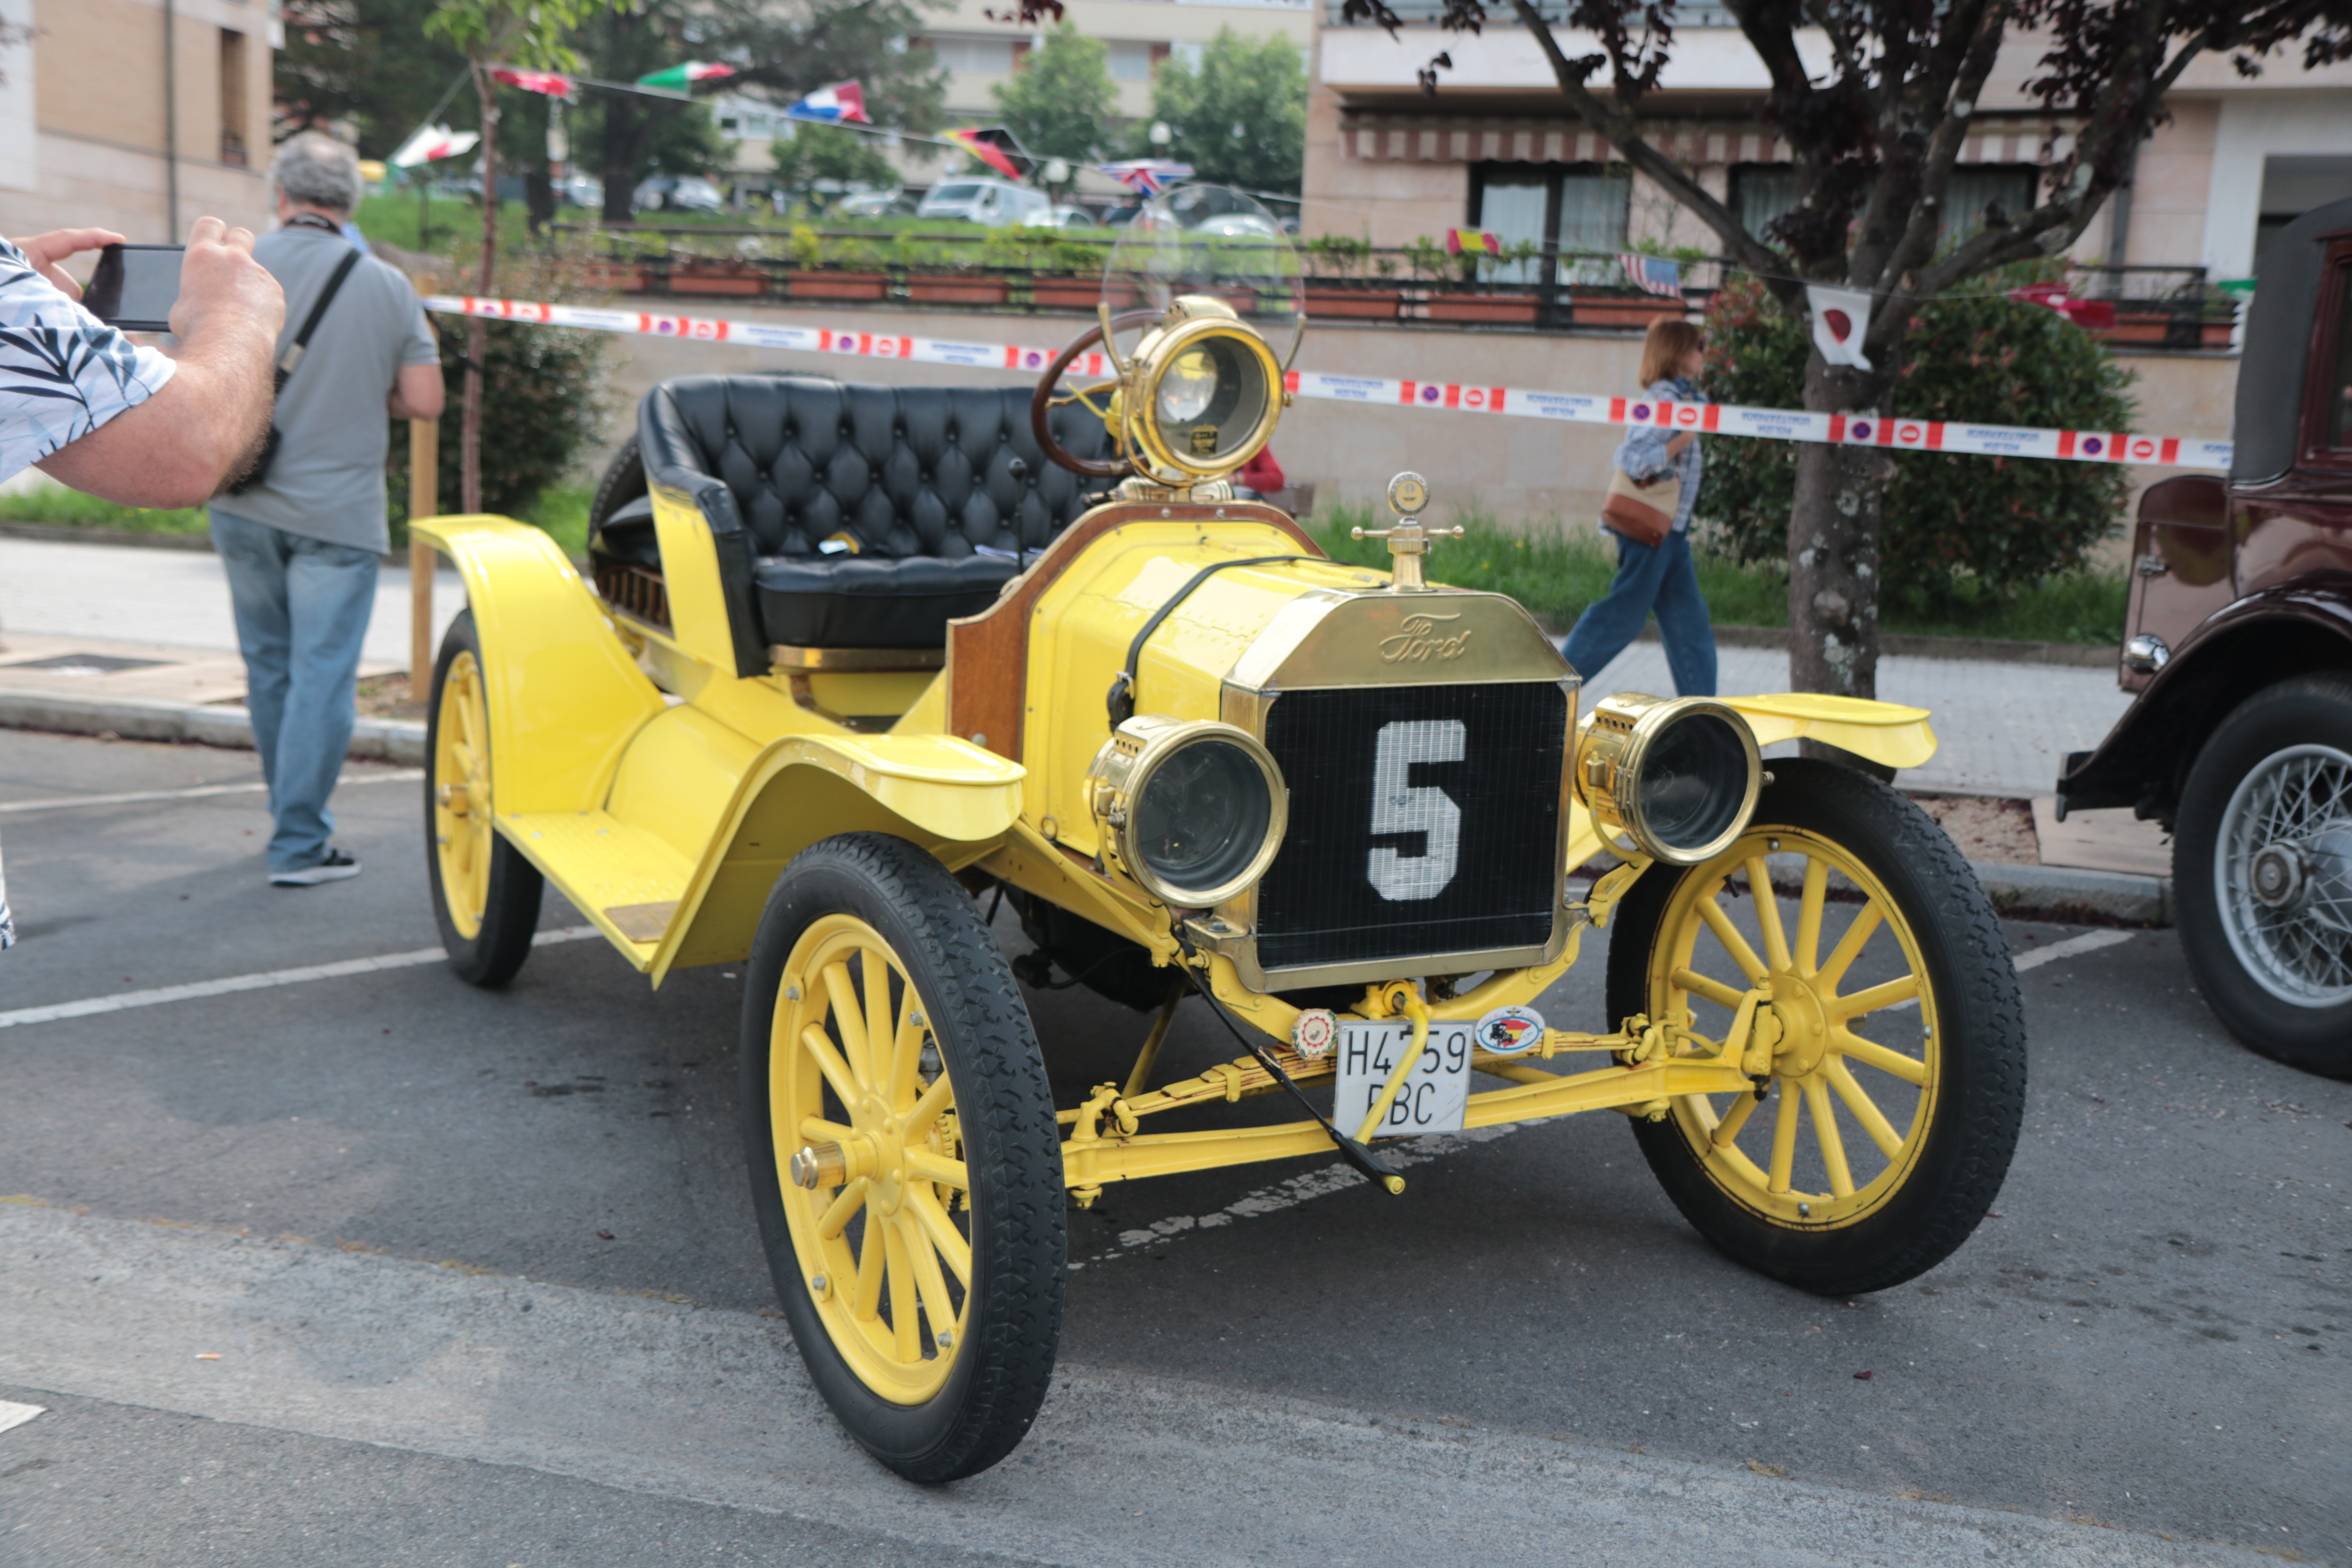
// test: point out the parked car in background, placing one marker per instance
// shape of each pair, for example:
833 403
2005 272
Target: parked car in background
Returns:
580 191
873 204
2239 645
1061 214
679 193
995 202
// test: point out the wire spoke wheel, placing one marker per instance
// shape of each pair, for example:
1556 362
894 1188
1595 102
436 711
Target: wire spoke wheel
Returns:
885 1240
1850 1091
1887 1035
2261 867
485 893
905 1166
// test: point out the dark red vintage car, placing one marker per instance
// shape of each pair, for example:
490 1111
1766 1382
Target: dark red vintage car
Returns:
2240 647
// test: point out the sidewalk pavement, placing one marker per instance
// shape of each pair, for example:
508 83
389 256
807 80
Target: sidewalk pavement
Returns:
164 667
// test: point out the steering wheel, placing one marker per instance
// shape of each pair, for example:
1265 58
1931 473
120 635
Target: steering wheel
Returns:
1049 398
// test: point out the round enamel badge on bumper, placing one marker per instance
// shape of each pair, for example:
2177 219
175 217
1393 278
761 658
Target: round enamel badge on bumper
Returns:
1507 1031
1315 1033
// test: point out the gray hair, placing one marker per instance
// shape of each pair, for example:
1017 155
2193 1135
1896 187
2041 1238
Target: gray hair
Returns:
315 171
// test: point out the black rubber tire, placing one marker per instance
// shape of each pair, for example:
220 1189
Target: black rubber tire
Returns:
1981 1096
624 481
2305 710
495 951
1004 1363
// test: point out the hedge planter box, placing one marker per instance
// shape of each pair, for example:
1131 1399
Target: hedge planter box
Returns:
957 290
838 285
1626 312
1500 309
1066 293
613 277
737 279
1360 304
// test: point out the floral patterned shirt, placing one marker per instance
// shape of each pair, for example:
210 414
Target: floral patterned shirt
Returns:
63 372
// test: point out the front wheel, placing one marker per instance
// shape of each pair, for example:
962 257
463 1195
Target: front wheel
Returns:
905 1163
486 895
2261 863
1885 993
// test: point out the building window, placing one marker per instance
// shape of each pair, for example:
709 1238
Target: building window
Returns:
1132 60
973 56
1977 187
1570 206
1761 193
231 96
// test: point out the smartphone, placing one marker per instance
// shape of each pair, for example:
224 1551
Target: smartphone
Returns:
135 286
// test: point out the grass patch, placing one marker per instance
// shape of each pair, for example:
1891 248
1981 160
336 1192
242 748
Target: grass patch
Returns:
1557 571
562 513
71 508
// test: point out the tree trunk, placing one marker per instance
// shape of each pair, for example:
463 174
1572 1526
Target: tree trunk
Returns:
469 429
1833 576
538 180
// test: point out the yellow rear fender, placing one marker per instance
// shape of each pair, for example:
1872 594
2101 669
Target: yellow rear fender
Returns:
564 696
949 795
1886 732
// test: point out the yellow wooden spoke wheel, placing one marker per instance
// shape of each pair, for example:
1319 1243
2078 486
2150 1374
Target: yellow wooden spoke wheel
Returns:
905 1161
1885 1035
486 894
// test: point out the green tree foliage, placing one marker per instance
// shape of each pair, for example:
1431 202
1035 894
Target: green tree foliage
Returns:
367 62
1240 119
546 397
786 50
1956 525
626 137
1059 103
816 152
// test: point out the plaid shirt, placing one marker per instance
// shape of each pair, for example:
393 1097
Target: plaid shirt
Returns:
1642 454
63 372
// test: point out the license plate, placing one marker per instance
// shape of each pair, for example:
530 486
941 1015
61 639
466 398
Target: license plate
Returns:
1435 1095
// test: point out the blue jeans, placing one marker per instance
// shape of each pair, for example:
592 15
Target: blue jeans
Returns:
1662 579
302 607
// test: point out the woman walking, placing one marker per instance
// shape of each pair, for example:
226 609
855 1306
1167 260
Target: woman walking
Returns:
1658 576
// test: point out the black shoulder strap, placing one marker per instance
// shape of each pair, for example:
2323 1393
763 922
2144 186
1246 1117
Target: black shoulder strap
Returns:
294 351
1122 686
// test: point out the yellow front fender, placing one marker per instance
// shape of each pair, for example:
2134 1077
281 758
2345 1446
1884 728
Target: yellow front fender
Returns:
554 670
946 794
1886 732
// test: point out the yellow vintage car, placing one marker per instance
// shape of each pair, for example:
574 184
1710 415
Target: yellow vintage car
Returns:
853 664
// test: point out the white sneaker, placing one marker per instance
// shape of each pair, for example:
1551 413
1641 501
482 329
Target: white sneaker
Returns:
335 868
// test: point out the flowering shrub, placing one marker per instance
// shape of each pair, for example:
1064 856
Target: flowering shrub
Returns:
1956 525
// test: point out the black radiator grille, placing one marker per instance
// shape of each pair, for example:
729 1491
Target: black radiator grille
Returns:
1493 752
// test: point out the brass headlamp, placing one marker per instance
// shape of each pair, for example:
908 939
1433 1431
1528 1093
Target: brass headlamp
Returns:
1678 777
1201 395
1192 809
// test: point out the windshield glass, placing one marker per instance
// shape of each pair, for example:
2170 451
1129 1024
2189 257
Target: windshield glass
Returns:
953 194
1212 240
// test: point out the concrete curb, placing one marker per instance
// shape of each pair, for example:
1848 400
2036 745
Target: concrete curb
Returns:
2053 892
378 739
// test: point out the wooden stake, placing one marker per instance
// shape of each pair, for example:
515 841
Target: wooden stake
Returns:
424 502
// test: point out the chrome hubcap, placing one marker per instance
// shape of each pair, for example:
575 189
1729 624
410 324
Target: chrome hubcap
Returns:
2282 874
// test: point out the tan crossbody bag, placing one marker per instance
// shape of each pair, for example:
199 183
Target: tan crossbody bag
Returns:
1642 514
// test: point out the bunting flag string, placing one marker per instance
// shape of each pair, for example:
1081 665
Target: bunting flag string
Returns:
1894 433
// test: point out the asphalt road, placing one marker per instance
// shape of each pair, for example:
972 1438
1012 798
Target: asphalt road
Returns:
353 1189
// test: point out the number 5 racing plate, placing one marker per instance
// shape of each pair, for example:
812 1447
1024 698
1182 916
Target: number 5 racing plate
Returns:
1431 1098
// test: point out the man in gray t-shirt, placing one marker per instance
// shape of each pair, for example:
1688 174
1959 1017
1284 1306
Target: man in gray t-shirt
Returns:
300 545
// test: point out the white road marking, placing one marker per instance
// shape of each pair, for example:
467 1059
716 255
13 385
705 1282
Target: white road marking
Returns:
267 980
2089 941
18 1415
1299 1189
253 786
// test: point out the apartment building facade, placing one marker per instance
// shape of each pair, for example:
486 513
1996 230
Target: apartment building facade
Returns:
135 115
1496 149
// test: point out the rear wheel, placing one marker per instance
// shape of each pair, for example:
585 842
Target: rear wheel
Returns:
906 1165
2261 863
1896 1004
486 895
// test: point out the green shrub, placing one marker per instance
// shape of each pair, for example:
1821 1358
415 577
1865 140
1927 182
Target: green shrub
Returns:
543 401
1959 530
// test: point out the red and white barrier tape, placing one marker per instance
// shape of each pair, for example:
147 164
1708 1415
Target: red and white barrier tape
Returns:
1714 418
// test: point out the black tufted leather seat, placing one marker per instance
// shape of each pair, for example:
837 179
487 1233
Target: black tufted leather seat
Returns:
942 489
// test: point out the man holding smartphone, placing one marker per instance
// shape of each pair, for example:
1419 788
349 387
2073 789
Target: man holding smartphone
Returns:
301 540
